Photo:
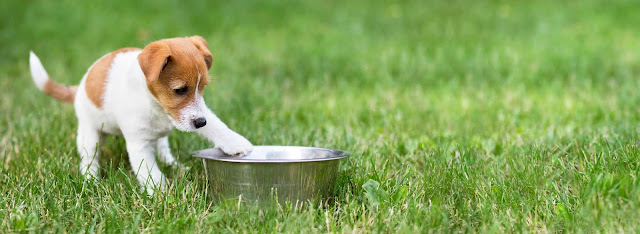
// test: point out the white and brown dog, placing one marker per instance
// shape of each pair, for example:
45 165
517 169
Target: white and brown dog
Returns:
143 94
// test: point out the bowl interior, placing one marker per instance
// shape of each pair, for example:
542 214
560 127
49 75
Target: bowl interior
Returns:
275 154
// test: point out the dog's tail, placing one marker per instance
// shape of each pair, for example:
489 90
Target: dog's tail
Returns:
58 91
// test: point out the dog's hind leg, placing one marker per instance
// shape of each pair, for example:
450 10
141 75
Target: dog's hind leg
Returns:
88 141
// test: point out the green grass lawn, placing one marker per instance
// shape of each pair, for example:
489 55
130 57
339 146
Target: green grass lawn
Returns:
472 115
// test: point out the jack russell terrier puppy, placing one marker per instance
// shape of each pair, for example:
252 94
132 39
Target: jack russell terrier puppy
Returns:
142 94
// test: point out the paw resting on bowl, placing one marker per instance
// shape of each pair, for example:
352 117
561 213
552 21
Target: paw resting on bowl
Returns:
234 144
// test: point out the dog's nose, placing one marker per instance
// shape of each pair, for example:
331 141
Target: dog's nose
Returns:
199 122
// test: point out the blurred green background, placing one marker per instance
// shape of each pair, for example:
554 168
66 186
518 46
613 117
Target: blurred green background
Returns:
472 115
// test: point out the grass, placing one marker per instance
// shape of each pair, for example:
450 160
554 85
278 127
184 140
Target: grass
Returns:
481 116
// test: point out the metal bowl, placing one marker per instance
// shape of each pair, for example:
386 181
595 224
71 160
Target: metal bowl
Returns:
286 173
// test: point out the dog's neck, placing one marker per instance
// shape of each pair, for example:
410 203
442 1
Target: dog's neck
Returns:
160 118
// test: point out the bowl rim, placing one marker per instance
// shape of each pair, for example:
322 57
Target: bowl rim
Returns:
216 154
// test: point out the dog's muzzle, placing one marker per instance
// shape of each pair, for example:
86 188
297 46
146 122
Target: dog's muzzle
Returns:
199 122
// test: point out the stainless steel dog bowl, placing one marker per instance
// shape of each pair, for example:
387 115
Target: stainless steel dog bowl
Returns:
288 173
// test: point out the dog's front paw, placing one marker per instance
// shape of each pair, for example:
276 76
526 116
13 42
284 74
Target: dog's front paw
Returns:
234 144
181 166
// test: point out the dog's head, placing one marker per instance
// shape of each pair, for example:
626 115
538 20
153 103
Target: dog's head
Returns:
176 70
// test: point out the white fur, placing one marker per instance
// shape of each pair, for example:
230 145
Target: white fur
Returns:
129 109
39 75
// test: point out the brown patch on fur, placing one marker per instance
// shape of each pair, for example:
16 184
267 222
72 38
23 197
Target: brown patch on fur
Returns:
171 62
61 92
97 76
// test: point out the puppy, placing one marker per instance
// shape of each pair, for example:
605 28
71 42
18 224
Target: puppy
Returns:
142 94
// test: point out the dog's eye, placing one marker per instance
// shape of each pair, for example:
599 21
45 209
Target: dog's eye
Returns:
181 91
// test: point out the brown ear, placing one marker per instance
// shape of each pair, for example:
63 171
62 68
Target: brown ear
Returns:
153 59
201 44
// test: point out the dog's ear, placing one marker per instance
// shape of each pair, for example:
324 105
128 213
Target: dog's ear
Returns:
153 59
201 44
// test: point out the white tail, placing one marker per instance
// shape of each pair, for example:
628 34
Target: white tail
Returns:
53 89
39 75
